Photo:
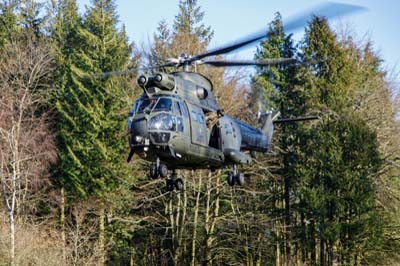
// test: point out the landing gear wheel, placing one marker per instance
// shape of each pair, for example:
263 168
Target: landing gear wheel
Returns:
153 171
170 185
240 179
178 184
230 179
163 170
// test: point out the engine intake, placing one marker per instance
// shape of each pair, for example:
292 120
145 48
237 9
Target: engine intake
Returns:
164 81
142 80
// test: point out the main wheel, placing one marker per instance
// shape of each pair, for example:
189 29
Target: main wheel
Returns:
230 179
240 179
153 171
170 185
178 184
163 170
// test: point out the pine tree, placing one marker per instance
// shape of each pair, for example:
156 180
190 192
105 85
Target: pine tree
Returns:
66 42
314 165
91 112
91 122
330 176
330 66
278 88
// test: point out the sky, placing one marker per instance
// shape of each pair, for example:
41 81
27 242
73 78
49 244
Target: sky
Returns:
234 19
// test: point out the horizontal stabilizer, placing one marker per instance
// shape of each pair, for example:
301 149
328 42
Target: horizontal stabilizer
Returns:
291 120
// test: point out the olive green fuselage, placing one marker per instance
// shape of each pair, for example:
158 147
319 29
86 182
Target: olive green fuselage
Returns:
179 121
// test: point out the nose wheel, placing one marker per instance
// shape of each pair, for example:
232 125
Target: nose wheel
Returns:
174 183
235 177
158 170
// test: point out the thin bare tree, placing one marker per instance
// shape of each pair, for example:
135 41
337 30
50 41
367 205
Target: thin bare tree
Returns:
26 145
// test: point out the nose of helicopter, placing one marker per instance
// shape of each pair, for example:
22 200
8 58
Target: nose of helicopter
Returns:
139 130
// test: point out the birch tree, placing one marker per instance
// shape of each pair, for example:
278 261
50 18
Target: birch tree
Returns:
26 143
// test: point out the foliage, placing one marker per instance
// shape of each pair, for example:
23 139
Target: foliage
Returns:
326 194
91 123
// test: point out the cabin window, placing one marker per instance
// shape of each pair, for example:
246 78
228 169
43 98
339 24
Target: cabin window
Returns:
201 118
197 117
163 104
194 116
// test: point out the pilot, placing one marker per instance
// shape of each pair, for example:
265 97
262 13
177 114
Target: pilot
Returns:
212 118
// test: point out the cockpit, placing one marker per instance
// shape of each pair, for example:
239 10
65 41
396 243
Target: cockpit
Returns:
153 105
164 114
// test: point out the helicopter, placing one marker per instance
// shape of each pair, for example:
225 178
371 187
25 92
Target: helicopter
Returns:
177 123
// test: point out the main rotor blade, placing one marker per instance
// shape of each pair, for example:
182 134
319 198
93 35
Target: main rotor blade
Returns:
232 46
105 75
265 62
328 10
113 73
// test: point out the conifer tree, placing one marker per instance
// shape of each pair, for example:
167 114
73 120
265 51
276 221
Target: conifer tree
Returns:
326 197
91 122
90 111
321 82
278 88
66 42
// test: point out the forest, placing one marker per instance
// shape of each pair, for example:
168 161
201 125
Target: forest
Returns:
328 192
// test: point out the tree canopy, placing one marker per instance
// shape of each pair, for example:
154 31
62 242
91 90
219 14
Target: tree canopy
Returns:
326 194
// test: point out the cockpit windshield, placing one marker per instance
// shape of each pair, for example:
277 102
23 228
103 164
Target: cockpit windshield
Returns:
163 104
146 104
159 105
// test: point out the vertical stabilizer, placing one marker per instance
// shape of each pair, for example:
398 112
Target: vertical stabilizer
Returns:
268 127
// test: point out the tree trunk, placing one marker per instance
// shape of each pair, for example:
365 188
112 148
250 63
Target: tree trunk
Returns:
259 256
288 249
180 223
195 220
10 209
211 219
333 251
62 222
102 235
172 223
277 245
313 244
322 252
12 238
207 222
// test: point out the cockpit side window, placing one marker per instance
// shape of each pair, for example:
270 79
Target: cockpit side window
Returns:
184 109
134 107
163 104
177 108
180 124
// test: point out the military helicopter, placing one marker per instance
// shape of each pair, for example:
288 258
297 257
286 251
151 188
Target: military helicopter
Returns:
177 123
